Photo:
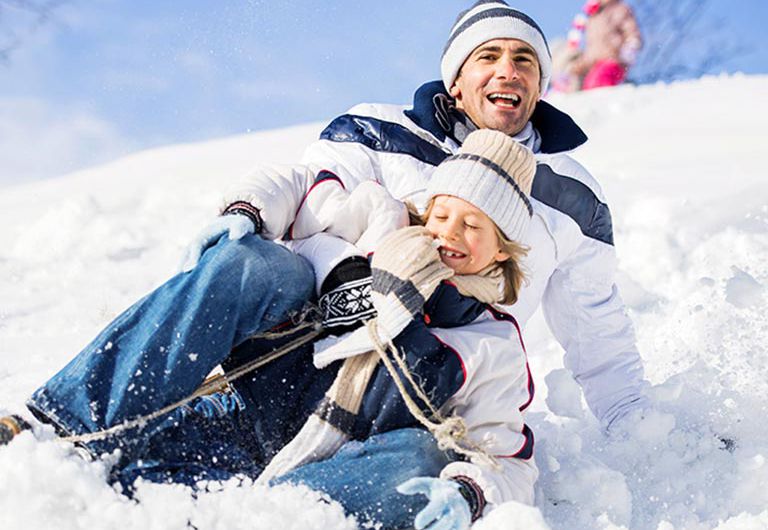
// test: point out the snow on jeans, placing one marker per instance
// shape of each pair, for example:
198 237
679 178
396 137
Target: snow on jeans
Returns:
160 350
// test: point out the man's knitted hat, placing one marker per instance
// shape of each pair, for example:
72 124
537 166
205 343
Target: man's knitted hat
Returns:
488 20
494 173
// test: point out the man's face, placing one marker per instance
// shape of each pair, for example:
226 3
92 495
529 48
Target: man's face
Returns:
498 85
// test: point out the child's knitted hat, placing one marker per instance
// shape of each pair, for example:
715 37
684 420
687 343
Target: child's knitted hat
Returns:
494 173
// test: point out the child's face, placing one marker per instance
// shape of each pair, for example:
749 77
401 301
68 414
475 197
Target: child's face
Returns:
468 241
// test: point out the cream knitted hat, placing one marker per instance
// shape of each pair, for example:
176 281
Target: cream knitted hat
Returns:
494 173
487 20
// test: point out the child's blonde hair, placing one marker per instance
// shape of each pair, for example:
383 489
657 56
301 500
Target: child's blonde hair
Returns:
513 274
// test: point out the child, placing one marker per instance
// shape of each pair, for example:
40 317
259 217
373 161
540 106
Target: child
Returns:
478 207
466 356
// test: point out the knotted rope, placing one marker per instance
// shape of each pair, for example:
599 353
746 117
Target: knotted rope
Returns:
451 432
213 384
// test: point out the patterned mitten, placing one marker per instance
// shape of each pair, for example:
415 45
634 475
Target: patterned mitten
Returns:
345 299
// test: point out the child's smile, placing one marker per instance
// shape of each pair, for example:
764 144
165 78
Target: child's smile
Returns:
467 236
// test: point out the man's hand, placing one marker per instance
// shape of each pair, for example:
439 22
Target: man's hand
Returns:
347 306
235 225
447 508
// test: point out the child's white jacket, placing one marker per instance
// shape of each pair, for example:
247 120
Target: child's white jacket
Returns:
495 383
482 358
497 390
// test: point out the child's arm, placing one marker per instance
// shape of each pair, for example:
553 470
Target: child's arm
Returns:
474 365
346 227
362 216
497 390
478 372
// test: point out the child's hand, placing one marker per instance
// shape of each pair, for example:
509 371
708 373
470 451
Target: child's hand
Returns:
447 509
406 270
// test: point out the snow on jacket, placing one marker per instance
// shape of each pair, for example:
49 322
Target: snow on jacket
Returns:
571 263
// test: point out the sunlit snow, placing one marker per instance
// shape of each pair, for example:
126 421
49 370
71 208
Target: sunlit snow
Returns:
684 170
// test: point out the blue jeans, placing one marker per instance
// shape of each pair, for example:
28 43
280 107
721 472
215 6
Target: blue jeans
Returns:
160 350
363 476
213 439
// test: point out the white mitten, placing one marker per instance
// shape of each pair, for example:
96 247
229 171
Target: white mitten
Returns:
235 225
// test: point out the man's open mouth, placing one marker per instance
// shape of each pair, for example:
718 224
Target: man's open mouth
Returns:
505 100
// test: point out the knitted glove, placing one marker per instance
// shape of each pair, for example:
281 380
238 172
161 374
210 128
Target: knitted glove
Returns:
406 270
345 296
447 508
234 224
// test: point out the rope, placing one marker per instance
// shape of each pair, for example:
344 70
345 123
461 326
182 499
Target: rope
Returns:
451 432
309 317
210 385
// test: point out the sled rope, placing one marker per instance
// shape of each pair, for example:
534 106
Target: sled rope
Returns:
451 432
212 384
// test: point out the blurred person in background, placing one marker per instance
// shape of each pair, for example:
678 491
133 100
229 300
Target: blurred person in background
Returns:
602 46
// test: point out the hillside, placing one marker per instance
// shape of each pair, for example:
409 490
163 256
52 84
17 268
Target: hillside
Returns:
683 167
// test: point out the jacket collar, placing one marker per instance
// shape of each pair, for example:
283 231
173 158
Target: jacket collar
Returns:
558 131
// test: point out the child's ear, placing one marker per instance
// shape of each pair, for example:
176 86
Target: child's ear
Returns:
501 256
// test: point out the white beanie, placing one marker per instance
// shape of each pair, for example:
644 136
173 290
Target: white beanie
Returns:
494 173
487 20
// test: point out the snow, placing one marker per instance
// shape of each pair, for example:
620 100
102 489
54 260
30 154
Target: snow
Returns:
683 168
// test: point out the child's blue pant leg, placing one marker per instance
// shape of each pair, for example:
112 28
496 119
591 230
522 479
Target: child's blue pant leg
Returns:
362 476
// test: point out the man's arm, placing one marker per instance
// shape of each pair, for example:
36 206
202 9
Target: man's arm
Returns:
276 192
281 192
581 302
362 216
587 316
346 152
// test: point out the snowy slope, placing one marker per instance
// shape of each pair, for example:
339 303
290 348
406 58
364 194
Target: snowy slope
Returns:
683 167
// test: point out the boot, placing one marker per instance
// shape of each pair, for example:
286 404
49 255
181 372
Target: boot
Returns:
10 426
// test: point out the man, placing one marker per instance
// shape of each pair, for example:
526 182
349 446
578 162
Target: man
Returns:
495 67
